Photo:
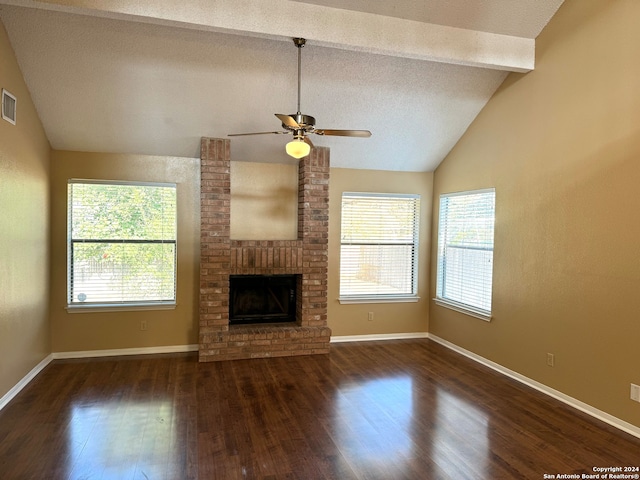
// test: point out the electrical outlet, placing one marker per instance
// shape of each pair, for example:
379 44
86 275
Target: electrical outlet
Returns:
370 318
143 325
551 359
635 392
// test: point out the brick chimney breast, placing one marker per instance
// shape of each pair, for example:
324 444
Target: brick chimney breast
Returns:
220 257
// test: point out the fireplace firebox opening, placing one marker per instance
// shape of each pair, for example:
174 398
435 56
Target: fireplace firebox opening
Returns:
255 299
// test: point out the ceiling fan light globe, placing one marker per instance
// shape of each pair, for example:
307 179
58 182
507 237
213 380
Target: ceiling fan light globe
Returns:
297 148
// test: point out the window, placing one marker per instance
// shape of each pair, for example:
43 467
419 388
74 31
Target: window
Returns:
465 252
379 247
121 243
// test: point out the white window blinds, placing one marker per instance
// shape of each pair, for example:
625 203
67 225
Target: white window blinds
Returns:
122 243
465 250
379 245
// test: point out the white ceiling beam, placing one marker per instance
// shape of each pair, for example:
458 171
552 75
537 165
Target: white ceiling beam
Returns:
324 26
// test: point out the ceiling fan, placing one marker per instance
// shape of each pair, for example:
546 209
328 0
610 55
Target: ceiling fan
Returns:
301 125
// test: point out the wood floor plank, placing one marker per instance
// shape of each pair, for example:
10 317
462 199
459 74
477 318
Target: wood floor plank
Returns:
406 409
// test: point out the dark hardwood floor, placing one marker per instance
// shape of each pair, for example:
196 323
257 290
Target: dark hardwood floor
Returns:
381 410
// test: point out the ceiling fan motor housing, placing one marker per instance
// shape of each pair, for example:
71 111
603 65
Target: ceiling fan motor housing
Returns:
307 122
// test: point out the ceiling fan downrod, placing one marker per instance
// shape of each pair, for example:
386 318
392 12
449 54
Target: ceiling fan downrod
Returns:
299 43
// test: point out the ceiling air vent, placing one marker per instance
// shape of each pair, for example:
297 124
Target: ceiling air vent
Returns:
8 107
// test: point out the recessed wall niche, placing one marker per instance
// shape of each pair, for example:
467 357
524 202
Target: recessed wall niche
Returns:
264 201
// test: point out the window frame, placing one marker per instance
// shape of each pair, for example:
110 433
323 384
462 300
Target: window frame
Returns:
105 306
462 307
383 297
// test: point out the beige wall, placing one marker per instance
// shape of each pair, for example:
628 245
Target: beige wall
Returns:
388 317
266 194
24 231
264 199
113 330
258 191
561 145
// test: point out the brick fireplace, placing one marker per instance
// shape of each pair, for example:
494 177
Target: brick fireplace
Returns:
221 257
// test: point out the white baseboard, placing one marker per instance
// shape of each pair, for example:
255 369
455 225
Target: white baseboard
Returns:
126 351
89 354
572 402
377 336
25 381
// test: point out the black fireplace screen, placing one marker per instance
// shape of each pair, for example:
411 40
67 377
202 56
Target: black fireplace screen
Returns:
262 299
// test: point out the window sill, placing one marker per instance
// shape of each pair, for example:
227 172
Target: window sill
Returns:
378 299
459 307
123 307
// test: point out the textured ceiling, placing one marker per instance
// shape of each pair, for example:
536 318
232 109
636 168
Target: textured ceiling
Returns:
117 85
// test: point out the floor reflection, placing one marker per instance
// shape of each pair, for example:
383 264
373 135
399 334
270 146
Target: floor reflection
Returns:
373 422
121 439
376 430
460 443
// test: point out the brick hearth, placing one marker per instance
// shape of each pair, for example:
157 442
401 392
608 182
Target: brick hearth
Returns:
221 257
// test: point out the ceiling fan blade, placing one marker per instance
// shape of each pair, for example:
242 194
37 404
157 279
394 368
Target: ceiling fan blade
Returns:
254 133
287 120
344 133
308 141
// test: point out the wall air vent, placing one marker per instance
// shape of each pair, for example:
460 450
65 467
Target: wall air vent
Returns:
8 107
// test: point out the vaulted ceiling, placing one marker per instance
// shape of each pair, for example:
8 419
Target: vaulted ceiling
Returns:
153 77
